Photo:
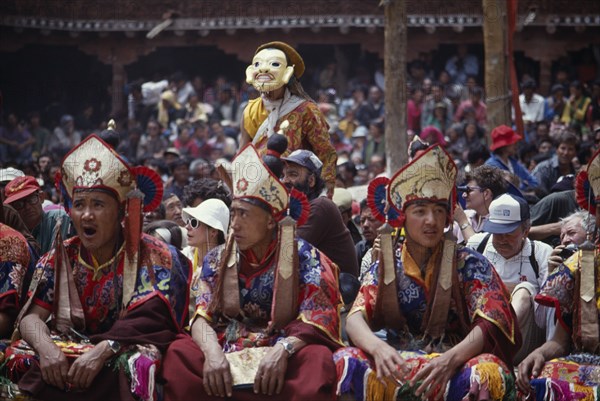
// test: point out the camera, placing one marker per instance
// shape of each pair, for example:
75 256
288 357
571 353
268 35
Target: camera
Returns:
568 251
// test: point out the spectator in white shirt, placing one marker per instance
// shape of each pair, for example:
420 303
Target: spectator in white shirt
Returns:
532 104
521 264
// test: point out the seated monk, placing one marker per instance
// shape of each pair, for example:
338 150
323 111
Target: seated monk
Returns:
266 298
449 324
116 298
567 367
16 260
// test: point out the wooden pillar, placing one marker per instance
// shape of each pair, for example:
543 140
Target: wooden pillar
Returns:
396 140
545 75
496 66
341 75
118 82
118 54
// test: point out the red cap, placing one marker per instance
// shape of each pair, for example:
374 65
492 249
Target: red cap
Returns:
502 136
20 187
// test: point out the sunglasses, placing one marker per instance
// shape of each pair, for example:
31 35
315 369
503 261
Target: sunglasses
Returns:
192 222
30 200
467 190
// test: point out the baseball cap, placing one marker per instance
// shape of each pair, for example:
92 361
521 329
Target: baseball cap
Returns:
9 174
305 158
212 212
507 212
20 187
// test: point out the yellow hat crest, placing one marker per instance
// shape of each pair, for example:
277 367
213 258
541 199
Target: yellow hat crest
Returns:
253 179
94 164
431 176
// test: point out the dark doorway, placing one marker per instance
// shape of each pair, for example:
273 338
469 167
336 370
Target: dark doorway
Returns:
207 62
53 80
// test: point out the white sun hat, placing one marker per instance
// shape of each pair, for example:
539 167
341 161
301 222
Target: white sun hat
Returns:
212 212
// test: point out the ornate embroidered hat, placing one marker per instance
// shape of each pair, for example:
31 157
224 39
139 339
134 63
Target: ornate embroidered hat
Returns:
430 176
252 179
94 164
293 56
587 184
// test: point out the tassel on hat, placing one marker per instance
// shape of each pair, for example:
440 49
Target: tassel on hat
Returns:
285 300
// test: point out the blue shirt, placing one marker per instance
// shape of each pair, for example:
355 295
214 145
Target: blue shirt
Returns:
527 180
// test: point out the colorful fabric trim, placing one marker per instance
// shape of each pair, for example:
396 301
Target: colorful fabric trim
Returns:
15 262
559 292
161 273
20 355
140 363
482 294
318 304
308 129
484 377
575 377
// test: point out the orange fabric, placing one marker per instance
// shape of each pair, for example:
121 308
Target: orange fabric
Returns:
412 270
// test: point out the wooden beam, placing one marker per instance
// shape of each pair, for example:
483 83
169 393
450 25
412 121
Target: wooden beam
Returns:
396 140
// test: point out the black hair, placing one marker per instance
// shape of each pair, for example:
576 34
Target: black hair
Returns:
154 162
349 166
577 84
477 152
529 84
178 76
568 138
161 211
173 228
206 188
296 88
48 155
363 204
177 163
477 91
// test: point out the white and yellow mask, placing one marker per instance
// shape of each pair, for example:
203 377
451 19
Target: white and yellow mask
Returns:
269 70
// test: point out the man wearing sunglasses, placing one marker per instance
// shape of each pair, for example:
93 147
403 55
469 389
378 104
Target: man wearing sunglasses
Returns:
25 196
484 184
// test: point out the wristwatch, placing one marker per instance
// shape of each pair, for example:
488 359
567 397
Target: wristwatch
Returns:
287 345
114 346
463 226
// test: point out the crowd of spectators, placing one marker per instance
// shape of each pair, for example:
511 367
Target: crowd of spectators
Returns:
185 130
182 126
